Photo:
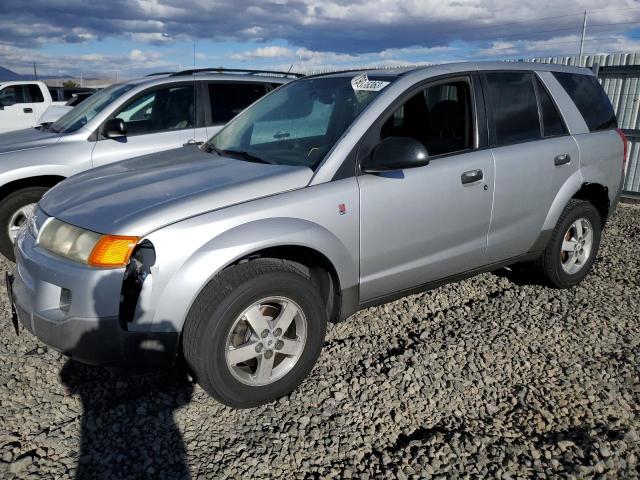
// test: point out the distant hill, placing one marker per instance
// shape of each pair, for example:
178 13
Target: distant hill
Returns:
8 75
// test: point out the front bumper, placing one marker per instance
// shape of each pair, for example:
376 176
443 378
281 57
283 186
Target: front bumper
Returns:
87 328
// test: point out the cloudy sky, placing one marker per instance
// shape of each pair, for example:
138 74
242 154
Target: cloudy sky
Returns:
134 37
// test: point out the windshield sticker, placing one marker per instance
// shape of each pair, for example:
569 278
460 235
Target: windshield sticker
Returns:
362 83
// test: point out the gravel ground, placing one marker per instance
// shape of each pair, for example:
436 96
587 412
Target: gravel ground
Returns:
494 376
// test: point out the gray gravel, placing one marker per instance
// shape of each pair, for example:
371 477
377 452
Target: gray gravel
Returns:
494 376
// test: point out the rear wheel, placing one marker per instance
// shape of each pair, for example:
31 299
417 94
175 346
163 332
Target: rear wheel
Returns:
255 332
14 211
573 246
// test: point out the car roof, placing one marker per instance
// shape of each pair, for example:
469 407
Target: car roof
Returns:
459 67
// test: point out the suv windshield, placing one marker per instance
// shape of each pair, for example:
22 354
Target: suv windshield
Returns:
297 124
89 108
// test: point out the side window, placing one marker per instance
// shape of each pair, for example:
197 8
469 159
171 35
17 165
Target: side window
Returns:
513 106
440 117
552 124
590 98
12 94
35 94
229 99
160 110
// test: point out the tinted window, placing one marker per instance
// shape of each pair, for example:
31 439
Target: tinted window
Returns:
514 107
229 99
36 94
159 110
590 98
552 123
439 117
13 94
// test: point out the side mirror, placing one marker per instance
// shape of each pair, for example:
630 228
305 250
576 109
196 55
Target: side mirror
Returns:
115 128
396 153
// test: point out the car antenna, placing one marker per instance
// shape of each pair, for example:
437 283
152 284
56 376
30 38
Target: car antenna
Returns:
194 96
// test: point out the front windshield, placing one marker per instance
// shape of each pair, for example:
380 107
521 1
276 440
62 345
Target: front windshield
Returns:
298 124
80 115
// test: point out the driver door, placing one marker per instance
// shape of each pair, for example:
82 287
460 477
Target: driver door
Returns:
422 224
158 119
17 111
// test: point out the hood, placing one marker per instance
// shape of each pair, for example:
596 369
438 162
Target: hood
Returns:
25 139
137 196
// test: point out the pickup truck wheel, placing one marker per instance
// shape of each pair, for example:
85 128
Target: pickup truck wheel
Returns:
255 332
14 210
573 246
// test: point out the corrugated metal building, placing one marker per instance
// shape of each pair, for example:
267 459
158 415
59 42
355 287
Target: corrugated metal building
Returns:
619 74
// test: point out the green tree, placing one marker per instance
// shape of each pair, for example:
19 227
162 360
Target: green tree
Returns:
70 84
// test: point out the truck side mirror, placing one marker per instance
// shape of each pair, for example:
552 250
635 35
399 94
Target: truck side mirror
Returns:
115 128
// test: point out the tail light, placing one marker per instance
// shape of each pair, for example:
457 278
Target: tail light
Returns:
625 143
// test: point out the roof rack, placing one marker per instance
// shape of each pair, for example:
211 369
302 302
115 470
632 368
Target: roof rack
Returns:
159 73
236 70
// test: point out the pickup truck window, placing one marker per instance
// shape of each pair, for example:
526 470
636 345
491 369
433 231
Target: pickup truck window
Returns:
298 124
12 94
83 113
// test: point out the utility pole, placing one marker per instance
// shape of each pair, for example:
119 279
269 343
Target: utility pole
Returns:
35 72
584 31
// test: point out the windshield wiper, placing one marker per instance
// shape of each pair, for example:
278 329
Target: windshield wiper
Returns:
244 155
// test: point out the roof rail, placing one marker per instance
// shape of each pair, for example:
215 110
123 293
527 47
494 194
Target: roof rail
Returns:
159 73
236 70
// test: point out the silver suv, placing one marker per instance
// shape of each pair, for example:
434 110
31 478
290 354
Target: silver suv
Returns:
330 194
148 115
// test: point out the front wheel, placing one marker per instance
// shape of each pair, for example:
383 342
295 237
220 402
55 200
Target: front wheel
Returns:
573 246
14 211
255 332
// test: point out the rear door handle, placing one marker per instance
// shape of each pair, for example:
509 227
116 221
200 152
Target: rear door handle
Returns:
27 110
471 176
562 159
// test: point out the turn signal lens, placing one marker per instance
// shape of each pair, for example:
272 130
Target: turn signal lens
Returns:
112 251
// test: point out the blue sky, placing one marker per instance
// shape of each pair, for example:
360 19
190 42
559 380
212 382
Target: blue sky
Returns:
135 37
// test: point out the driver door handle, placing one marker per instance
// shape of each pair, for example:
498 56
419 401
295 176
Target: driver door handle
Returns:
471 176
27 110
562 159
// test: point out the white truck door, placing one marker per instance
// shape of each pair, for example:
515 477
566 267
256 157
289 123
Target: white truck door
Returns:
16 110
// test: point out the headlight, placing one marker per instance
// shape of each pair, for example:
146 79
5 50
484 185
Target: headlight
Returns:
85 246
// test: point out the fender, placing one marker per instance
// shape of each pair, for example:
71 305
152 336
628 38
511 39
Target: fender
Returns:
568 190
186 282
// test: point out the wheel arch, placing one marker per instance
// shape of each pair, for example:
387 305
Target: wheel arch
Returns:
32 181
292 239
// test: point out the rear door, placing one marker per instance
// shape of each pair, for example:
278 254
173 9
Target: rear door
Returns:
228 99
157 119
534 156
16 110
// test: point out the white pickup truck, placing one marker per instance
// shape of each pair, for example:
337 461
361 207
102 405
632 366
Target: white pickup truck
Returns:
22 103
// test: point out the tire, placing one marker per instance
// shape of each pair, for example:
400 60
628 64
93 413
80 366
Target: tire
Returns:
9 208
554 256
207 338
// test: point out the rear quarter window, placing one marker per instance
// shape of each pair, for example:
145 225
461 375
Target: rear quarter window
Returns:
590 98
